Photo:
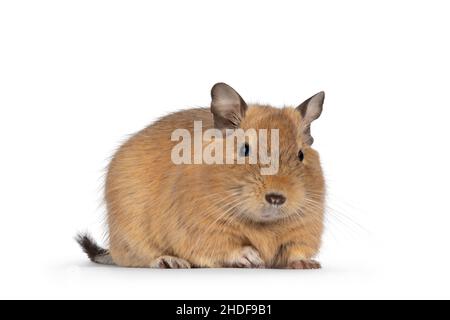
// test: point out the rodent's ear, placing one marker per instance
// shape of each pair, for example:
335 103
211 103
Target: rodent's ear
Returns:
227 107
310 110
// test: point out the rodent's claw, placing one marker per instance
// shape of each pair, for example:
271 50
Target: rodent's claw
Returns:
247 257
169 262
304 264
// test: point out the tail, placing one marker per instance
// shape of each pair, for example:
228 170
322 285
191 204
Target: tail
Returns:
94 252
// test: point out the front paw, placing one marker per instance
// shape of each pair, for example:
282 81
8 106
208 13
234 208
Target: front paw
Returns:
246 257
304 264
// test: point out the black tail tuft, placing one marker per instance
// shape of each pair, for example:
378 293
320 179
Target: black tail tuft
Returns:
90 247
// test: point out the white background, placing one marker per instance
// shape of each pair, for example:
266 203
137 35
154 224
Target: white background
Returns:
77 77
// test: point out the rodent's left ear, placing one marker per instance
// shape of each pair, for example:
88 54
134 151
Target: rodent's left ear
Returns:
310 110
227 107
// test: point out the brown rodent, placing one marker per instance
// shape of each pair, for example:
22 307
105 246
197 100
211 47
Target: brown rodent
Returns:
163 215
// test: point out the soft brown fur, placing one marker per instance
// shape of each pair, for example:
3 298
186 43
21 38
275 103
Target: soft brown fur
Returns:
179 216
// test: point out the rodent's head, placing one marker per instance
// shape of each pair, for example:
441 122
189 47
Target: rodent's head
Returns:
296 190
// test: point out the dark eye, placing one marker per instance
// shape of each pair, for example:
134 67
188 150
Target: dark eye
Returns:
301 155
245 150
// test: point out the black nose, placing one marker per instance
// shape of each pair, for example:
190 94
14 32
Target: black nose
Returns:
275 199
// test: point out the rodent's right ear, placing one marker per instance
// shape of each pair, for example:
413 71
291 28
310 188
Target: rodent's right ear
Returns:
227 107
